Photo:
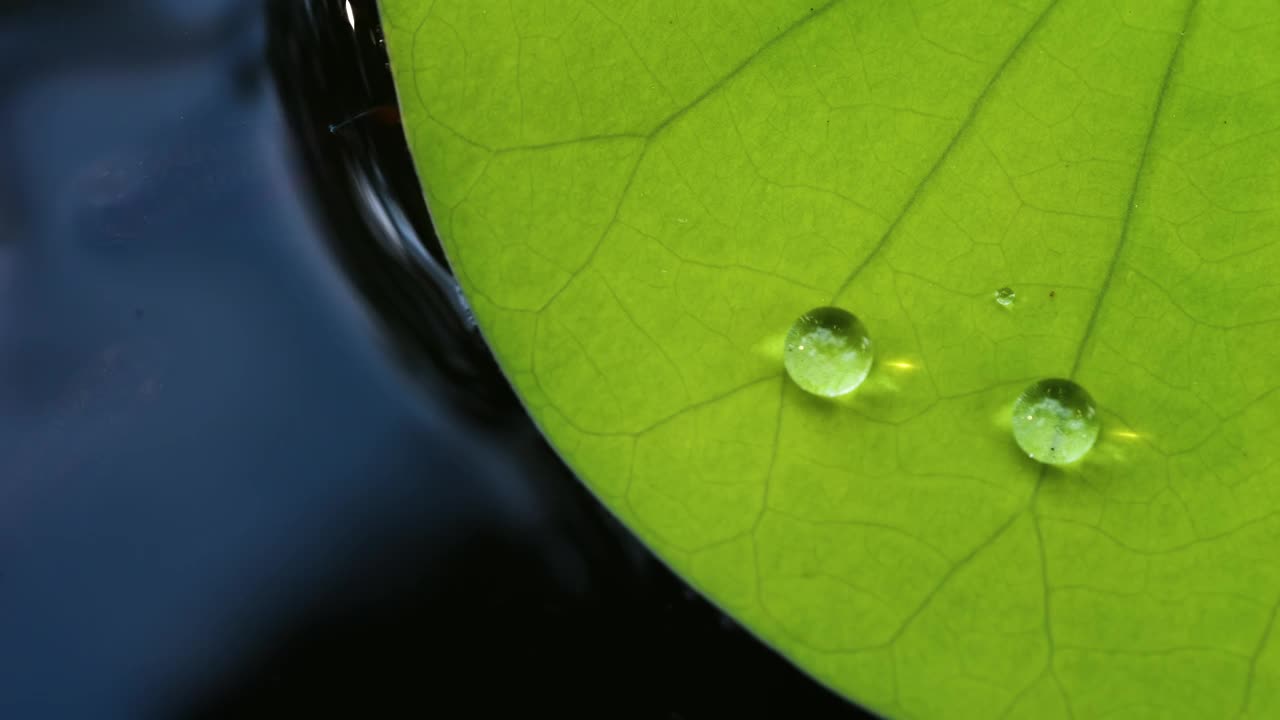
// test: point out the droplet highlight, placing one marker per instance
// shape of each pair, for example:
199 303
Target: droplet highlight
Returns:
1005 296
1055 421
828 352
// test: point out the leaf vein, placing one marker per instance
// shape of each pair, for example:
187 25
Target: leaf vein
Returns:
965 124
1136 187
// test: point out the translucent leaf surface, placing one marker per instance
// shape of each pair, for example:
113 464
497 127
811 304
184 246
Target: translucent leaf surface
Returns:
640 197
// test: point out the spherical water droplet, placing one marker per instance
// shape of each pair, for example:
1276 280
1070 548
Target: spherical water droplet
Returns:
1055 421
828 352
1005 296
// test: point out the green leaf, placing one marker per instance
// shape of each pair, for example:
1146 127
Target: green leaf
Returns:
639 197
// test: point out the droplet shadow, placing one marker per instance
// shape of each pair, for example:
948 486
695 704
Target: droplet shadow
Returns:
873 398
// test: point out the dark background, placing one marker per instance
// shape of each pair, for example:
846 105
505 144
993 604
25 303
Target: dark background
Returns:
254 460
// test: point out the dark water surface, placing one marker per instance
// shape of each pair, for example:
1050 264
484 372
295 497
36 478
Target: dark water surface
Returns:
254 460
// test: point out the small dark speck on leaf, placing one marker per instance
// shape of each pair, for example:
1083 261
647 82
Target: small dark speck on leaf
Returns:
1053 293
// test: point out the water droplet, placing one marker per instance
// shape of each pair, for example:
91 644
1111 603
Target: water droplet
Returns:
828 352
1005 296
1055 421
